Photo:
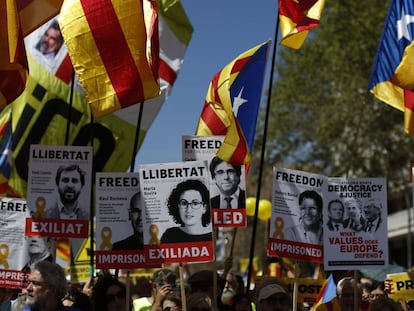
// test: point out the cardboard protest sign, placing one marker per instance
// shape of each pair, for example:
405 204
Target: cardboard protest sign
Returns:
227 181
402 286
177 215
355 223
17 251
308 289
59 191
119 217
296 229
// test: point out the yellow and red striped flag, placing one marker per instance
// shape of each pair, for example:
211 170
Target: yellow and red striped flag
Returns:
13 62
114 48
297 17
232 104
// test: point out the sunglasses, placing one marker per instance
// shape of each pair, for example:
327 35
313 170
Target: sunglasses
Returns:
112 297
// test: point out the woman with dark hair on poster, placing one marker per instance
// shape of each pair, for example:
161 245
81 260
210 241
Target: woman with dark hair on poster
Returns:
189 206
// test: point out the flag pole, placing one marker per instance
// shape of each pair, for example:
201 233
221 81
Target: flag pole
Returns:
262 154
137 130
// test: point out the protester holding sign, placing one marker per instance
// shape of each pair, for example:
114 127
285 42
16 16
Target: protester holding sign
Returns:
189 206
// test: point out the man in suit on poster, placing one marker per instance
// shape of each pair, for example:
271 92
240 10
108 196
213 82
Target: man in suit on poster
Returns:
227 178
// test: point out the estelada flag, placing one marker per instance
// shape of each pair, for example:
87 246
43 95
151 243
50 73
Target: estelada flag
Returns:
232 103
114 48
297 17
391 78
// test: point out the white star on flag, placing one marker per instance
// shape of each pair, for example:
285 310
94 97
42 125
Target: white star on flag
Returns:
402 25
238 101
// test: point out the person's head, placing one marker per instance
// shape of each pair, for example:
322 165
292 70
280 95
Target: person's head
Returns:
310 205
109 294
385 304
189 204
377 291
354 209
76 298
200 301
337 275
336 210
226 175
372 209
46 286
203 281
242 302
51 40
163 276
70 180
143 287
135 214
345 291
171 302
232 287
273 295
38 246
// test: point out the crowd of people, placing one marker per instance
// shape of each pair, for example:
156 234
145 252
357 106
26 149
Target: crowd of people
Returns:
48 290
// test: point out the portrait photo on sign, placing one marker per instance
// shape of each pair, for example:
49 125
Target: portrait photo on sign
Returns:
188 205
59 183
227 181
177 214
230 189
46 45
119 212
296 225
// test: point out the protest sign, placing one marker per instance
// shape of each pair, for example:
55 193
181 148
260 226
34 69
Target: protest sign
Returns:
355 223
18 252
177 215
59 191
296 229
401 286
119 215
227 181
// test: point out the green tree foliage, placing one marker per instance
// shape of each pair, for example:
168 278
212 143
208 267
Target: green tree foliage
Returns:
323 119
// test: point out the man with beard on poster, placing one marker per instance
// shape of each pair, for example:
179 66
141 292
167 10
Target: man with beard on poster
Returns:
69 181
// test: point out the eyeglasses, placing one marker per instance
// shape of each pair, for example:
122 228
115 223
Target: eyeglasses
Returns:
230 172
35 283
112 297
171 308
192 204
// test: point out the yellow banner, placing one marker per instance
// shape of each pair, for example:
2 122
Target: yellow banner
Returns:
40 116
402 285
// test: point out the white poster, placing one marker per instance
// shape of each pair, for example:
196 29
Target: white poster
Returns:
227 181
17 251
355 222
119 218
59 190
296 229
177 217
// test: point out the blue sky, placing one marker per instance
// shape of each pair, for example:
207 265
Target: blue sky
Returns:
223 29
